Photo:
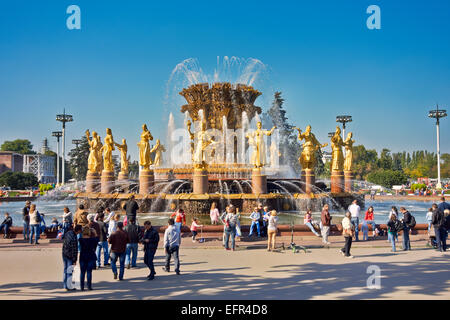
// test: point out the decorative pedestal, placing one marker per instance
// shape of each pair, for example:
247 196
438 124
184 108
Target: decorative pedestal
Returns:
259 181
146 181
337 181
92 182
123 182
107 181
309 180
200 181
348 181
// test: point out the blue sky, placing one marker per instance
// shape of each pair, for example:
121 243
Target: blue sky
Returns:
114 71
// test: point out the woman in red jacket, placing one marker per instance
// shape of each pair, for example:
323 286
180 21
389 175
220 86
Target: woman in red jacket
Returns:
369 219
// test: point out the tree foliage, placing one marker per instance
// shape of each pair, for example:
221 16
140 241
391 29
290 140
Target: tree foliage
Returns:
22 146
387 178
18 180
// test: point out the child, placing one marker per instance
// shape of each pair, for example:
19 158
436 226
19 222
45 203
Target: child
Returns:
429 218
194 227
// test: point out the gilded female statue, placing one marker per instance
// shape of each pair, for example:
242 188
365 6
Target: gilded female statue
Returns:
123 148
260 145
99 155
348 163
337 163
144 148
203 141
158 149
309 147
93 152
107 150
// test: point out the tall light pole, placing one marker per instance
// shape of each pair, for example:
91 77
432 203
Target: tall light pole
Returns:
437 114
57 134
63 118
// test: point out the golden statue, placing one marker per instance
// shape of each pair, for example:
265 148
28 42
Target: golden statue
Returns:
191 136
337 163
348 143
307 158
158 149
144 148
99 155
107 150
203 141
93 160
124 161
259 144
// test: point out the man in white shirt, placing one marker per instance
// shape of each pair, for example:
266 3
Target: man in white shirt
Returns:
355 209
172 246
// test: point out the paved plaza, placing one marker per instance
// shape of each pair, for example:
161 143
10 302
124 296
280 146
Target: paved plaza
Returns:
210 272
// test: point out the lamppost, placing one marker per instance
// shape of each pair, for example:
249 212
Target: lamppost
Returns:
57 134
63 118
437 114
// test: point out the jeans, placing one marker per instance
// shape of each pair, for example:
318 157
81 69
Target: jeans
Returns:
26 230
178 225
371 222
132 249
102 245
347 246
257 228
355 222
228 233
86 269
34 230
429 225
391 238
365 231
441 238
325 233
121 256
6 226
175 252
148 260
406 244
67 277
311 227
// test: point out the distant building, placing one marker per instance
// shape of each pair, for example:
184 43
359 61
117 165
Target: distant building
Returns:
10 161
42 166
326 157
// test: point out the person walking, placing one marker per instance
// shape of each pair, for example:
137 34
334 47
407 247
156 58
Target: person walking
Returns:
438 221
6 224
88 244
194 227
26 220
150 241
348 232
134 236
118 241
369 219
393 227
131 207
35 224
102 242
355 209
172 246
406 222
67 219
70 254
214 214
272 225
255 216
308 222
326 224
443 205
230 229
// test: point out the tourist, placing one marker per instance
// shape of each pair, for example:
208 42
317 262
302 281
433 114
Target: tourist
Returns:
6 224
393 227
443 205
180 218
446 222
369 219
109 215
406 228
102 241
365 231
261 220
112 227
230 229
93 225
88 244
355 209
118 241
172 241
393 211
348 232
214 214
429 218
272 225
308 222
70 253
326 224
254 216
26 220
222 219
372 195
42 225
150 241
265 215
81 217
131 207
67 219
438 222
134 237
54 226
238 223
35 224
194 227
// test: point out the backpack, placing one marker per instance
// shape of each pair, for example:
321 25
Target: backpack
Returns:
38 217
412 223
398 225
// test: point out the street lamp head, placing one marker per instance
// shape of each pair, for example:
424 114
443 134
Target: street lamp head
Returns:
437 113
76 141
331 134
344 119
64 117
57 134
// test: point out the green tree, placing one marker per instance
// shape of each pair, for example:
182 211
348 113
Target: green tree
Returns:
18 180
78 164
387 178
22 146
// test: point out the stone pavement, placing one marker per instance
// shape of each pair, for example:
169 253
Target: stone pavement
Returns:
210 272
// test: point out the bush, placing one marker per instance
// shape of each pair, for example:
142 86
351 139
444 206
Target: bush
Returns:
387 178
18 180
45 187
418 186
